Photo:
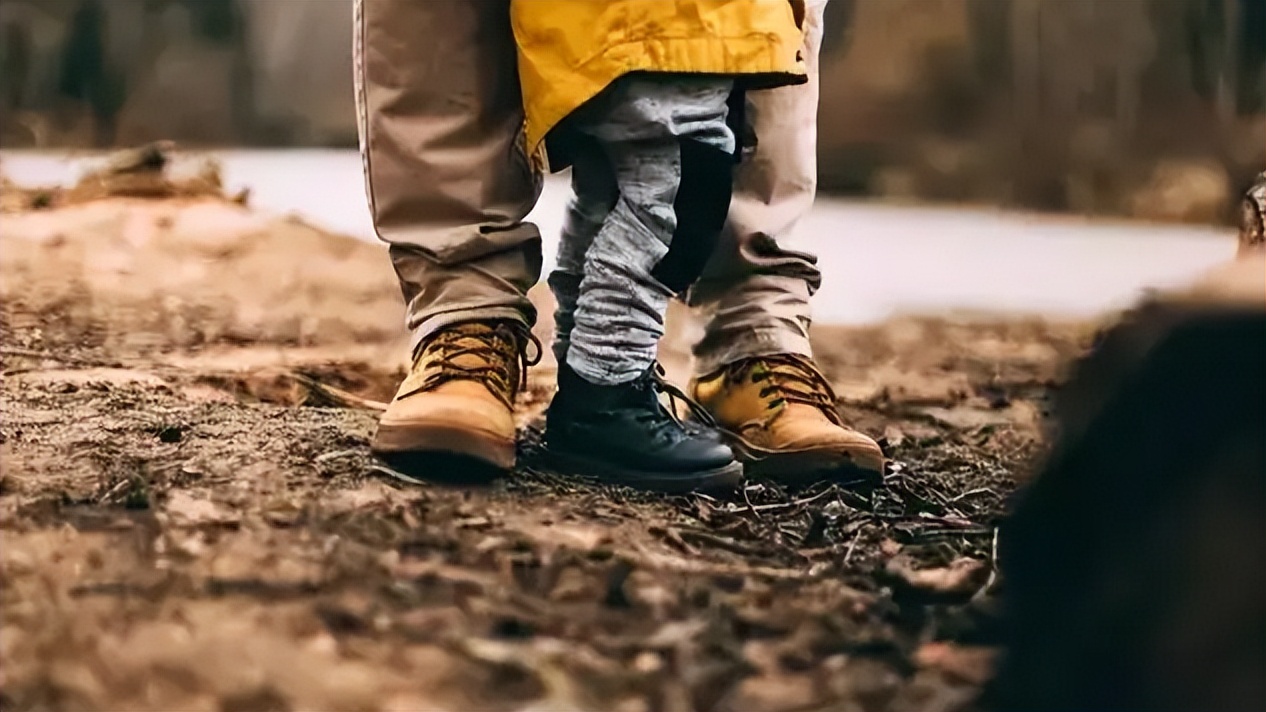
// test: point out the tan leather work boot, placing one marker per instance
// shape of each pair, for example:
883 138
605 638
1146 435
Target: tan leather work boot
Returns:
778 414
458 398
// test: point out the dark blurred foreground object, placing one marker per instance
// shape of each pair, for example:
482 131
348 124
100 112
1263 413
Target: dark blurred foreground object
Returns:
1135 564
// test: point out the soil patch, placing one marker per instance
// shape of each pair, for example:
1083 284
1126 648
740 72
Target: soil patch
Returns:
187 526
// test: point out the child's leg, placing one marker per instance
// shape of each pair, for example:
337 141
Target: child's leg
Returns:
643 127
594 193
657 173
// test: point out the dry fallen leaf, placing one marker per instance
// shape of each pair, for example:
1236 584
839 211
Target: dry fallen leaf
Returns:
962 577
969 663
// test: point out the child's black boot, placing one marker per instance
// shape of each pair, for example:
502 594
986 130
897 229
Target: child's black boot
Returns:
624 435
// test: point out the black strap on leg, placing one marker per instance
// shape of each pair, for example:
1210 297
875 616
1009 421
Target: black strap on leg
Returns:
702 203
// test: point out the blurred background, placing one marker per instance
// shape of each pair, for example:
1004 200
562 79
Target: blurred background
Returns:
1152 109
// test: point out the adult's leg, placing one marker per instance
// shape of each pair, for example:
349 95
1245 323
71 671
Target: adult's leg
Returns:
759 381
656 145
755 291
440 113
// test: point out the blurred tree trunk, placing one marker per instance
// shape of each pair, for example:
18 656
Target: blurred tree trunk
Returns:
1075 59
15 65
1252 57
1227 109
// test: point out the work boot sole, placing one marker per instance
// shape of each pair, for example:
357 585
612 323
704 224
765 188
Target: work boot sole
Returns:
721 478
442 454
801 468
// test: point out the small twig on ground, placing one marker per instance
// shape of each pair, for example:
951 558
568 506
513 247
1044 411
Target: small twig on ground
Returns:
750 507
720 542
335 396
794 502
334 455
927 534
969 493
109 495
992 581
952 522
852 545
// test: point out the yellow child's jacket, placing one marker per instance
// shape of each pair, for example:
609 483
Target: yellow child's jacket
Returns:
570 50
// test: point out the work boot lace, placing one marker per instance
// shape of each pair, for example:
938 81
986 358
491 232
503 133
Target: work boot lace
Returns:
497 355
789 378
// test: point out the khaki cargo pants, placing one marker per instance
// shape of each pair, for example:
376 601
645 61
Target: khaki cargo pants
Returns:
440 116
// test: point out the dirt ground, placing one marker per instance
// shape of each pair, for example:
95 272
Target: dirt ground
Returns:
188 523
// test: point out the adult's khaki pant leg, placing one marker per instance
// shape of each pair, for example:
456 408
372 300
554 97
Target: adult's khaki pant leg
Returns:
754 294
440 117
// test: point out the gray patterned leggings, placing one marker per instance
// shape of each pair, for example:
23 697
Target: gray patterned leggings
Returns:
653 172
